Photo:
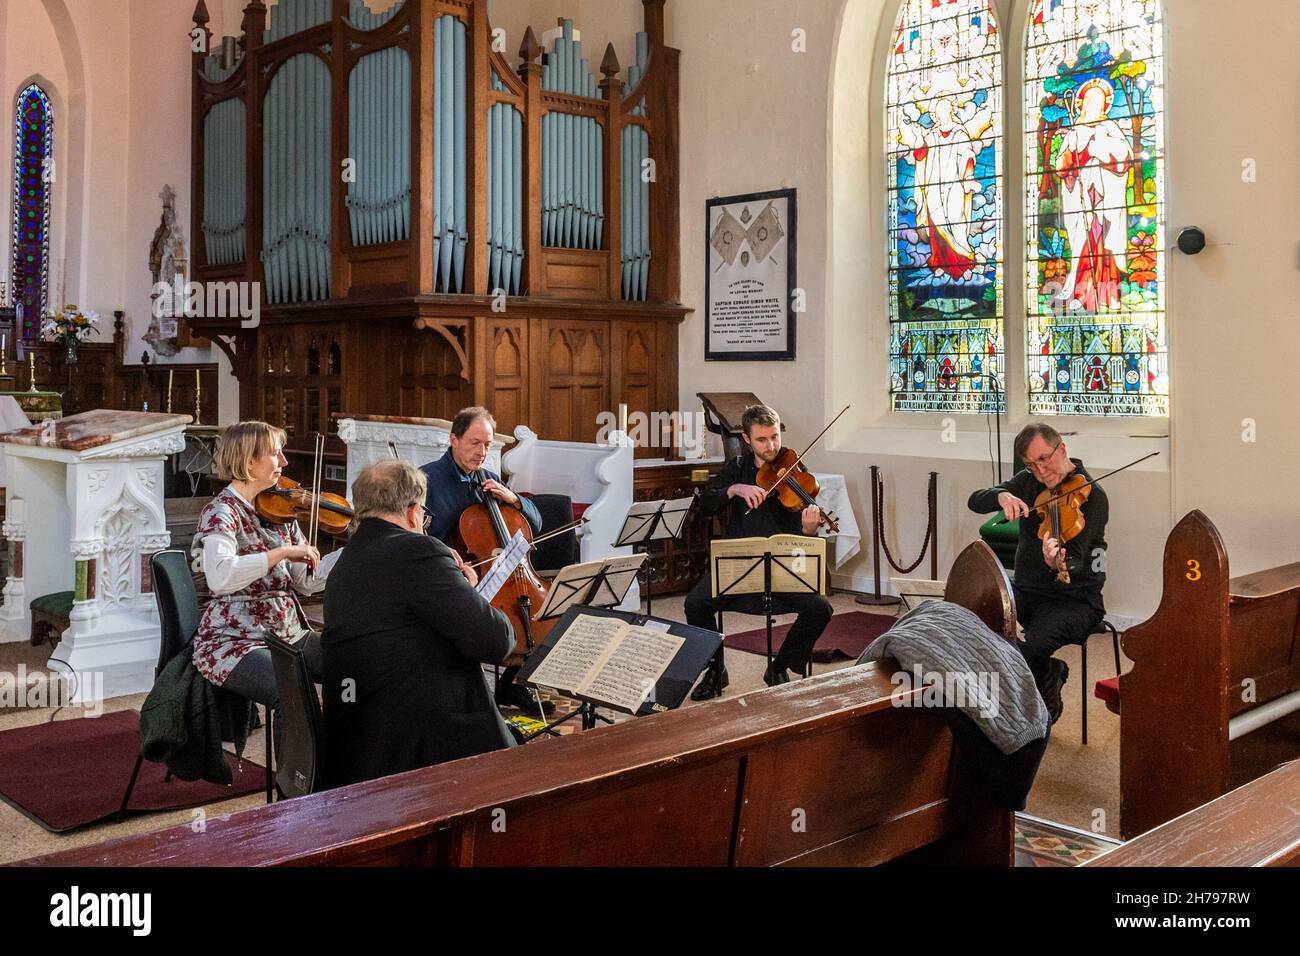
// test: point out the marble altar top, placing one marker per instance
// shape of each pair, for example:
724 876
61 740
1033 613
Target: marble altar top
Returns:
92 429
397 420
440 423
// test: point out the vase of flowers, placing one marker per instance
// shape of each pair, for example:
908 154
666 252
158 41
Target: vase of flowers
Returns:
70 326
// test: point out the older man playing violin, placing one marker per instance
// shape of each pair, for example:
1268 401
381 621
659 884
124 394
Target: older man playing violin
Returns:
754 513
1052 612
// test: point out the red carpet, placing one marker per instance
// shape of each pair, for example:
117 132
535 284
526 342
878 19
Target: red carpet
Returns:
845 637
72 773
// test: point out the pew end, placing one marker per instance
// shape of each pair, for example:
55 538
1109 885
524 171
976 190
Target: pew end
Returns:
1217 651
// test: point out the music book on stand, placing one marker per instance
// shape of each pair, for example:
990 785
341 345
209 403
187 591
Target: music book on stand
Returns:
620 660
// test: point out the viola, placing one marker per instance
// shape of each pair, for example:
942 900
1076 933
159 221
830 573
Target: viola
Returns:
289 501
796 486
483 531
1061 510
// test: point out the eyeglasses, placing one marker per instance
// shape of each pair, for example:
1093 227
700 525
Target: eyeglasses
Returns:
428 518
1042 461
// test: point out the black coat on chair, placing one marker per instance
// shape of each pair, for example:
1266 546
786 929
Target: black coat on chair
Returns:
404 640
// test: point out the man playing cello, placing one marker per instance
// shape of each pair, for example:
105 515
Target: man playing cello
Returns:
1052 613
452 490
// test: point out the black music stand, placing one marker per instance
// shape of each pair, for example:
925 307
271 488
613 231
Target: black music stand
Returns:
669 691
648 521
749 578
591 585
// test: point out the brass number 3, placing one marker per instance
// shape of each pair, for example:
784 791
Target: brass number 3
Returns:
1193 570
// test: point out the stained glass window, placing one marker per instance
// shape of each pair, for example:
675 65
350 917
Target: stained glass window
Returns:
944 164
1094 152
33 176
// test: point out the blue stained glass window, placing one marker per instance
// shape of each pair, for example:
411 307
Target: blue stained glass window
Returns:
33 177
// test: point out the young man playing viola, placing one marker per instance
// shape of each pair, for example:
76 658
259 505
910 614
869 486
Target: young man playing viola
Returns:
1052 613
754 514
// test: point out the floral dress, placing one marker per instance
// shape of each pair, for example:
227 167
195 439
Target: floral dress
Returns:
233 623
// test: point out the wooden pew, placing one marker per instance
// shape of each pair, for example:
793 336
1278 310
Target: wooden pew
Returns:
1257 824
1188 733
824 771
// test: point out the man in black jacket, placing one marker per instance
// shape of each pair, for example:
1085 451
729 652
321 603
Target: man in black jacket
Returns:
404 640
1052 613
736 486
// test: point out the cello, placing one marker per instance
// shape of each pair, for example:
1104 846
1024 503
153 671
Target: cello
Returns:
484 530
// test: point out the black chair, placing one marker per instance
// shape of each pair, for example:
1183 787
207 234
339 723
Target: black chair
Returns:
1101 628
178 612
298 749
562 550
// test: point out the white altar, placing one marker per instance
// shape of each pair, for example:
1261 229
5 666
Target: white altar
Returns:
85 514
418 440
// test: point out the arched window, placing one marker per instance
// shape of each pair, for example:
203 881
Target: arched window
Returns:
1094 224
944 167
33 176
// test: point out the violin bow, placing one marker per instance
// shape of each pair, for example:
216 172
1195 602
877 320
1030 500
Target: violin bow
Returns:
538 540
1093 481
777 484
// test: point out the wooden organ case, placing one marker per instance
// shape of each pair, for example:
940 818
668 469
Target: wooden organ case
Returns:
430 226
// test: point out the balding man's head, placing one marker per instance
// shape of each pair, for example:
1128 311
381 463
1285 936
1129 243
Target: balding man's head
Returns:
388 488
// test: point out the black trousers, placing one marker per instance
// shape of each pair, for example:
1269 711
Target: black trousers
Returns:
1052 622
814 614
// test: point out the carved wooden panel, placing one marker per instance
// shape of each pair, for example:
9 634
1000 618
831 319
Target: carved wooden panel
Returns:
508 374
576 380
429 384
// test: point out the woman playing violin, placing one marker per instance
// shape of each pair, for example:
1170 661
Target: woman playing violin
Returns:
1058 584
253 569
756 513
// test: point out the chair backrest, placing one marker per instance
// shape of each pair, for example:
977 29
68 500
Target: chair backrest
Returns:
298 742
178 604
562 550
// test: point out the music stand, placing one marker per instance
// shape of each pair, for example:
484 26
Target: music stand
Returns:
596 584
668 691
755 573
648 521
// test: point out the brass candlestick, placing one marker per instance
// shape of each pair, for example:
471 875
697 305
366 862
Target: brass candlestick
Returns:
31 371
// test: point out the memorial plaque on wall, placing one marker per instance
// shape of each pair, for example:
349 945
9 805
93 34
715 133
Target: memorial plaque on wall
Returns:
750 277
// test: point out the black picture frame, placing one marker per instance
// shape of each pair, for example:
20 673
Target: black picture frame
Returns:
789 244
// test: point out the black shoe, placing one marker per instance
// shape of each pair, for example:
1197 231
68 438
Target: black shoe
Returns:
776 675
712 685
1054 683
521 698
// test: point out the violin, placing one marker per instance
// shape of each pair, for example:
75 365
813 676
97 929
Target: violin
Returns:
796 486
289 501
1061 510
484 530
793 482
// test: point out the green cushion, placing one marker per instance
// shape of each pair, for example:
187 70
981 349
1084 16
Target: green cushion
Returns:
59 604
998 528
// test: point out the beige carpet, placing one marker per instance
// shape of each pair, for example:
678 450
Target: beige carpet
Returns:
1076 785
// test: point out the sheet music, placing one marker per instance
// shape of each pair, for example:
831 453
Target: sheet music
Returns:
636 662
799 561
608 660
505 565
327 564
576 655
